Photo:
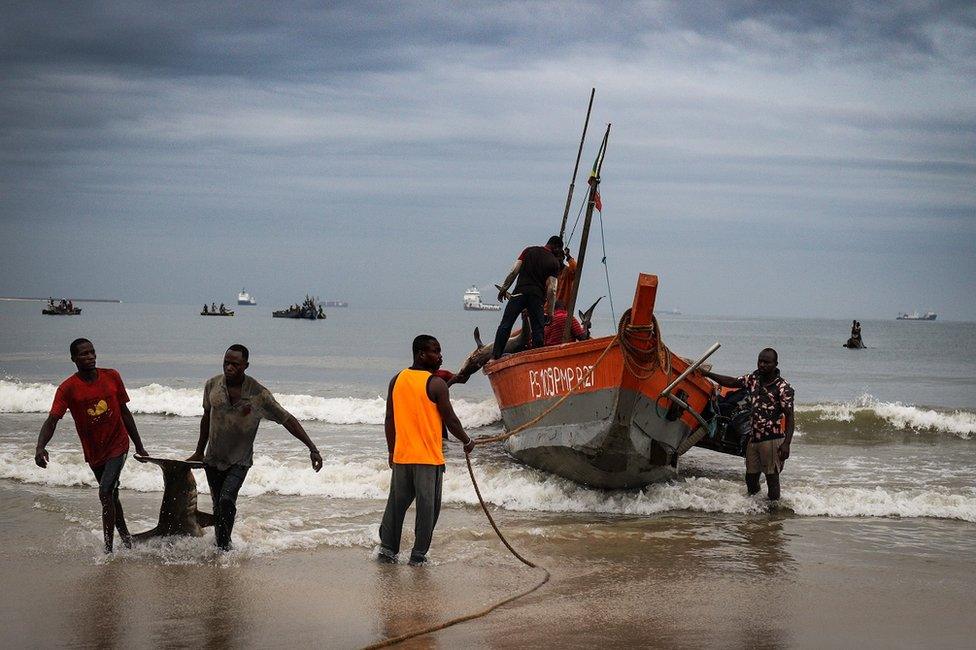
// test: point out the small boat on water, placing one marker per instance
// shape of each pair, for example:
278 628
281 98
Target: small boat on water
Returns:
226 312
929 315
307 310
244 298
63 307
472 301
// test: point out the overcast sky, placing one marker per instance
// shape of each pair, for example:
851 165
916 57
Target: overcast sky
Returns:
771 159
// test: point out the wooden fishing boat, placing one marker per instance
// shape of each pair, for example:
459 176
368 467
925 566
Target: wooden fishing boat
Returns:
613 426
226 312
57 311
613 412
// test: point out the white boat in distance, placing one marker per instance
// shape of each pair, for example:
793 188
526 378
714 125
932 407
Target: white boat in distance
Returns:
929 315
472 301
244 298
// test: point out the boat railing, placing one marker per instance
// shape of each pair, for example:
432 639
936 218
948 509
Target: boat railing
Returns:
666 393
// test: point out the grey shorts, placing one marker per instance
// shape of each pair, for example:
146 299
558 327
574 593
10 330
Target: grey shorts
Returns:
108 474
763 457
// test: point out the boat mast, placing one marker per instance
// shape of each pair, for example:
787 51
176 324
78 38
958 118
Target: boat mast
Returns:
591 202
572 181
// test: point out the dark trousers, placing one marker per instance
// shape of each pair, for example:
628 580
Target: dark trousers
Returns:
107 476
512 311
409 482
224 486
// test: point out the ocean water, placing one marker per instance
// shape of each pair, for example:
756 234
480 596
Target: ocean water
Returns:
885 434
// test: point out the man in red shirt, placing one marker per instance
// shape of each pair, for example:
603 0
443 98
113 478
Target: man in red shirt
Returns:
556 327
96 398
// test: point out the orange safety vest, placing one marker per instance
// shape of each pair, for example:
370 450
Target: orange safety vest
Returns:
418 422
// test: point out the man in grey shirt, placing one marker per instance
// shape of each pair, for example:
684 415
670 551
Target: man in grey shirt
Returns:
233 406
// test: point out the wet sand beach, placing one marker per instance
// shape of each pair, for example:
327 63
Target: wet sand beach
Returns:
873 545
766 580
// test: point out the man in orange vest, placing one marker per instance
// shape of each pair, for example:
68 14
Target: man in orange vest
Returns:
417 408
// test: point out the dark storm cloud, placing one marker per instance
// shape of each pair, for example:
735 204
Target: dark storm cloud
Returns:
752 126
290 40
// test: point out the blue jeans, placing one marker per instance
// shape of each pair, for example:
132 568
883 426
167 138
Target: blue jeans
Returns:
512 311
224 486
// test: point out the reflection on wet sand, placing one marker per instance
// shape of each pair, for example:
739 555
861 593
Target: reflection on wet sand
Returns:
227 620
407 599
100 611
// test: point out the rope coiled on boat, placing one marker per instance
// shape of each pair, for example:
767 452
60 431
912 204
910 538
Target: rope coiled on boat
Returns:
643 348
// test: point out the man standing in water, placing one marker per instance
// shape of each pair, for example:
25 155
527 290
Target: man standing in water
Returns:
771 397
97 400
417 408
537 269
233 406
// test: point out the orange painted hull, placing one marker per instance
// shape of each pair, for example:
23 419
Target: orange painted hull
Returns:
612 431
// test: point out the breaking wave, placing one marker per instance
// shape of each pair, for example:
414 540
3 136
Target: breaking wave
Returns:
155 399
864 416
869 416
518 488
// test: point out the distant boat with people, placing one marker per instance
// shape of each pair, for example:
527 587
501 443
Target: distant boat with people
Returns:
63 307
472 301
307 310
214 310
929 315
244 298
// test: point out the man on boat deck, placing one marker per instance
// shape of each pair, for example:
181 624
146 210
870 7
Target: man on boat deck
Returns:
771 397
97 400
233 406
556 326
418 406
537 269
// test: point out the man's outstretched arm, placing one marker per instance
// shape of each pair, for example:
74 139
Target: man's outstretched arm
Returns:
784 449
725 380
389 424
509 279
47 432
437 390
204 437
296 429
130 427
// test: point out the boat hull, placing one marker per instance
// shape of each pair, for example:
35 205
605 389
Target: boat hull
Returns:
598 439
296 316
591 411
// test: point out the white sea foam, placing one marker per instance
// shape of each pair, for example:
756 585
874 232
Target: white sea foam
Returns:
22 397
900 416
253 537
518 488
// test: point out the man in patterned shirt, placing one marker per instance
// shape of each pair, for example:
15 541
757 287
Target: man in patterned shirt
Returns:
771 398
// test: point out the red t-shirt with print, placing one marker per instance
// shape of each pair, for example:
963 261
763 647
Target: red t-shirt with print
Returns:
96 409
